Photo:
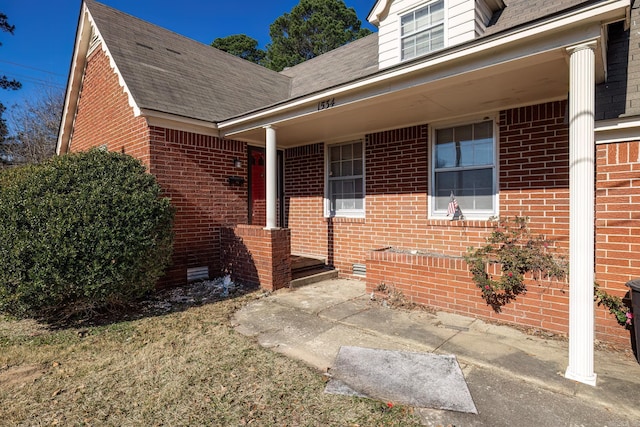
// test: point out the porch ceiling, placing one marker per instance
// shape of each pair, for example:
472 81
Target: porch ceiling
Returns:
477 93
476 82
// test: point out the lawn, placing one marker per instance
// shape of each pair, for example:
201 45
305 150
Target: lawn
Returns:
177 364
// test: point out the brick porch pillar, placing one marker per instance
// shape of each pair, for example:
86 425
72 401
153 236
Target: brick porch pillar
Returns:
253 254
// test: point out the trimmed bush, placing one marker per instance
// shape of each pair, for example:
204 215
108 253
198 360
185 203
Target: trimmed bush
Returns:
80 232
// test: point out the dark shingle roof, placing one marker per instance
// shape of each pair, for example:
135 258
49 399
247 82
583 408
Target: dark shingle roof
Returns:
171 73
360 58
619 96
518 12
344 64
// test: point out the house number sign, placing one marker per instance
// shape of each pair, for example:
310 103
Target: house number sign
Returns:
327 103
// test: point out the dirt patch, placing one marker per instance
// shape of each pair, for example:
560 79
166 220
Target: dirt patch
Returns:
16 376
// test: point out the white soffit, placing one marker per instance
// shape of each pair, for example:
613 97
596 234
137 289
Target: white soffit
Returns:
617 130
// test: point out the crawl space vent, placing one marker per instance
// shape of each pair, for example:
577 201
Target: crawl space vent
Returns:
197 273
359 269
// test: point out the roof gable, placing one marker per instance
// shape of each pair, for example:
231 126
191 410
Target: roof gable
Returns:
167 72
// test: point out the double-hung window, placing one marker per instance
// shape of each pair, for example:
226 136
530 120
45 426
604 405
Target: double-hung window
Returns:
345 180
422 30
464 165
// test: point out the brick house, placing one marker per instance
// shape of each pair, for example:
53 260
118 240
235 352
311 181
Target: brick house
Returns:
528 108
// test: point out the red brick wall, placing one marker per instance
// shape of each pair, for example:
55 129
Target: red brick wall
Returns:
533 146
104 115
193 171
534 182
255 255
445 283
304 194
396 191
617 224
534 168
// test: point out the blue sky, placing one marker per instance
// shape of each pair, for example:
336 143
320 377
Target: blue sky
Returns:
39 52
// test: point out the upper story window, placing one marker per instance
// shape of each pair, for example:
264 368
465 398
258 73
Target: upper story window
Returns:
465 164
345 179
422 30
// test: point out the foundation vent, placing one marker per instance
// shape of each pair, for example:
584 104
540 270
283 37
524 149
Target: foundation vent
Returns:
359 269
197 273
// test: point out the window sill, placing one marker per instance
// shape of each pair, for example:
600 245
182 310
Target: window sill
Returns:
345 219
462 223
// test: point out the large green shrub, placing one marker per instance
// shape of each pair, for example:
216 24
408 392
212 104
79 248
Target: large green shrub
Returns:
80 232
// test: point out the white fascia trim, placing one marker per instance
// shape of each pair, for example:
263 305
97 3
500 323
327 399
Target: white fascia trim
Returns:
379 10
166 120
112 64
77 66
617 130
74 85
482 48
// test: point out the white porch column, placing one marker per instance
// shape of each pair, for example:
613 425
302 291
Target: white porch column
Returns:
581 212
272 177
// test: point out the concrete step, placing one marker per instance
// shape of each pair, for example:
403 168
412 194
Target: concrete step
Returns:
305 262
308 277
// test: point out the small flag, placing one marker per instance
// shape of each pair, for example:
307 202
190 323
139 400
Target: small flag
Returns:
453 205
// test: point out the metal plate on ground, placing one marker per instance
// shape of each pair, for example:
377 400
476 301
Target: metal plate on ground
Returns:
421 380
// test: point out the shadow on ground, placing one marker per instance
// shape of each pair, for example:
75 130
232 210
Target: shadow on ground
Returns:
156 303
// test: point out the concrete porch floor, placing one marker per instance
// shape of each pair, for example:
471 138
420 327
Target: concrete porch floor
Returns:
514 378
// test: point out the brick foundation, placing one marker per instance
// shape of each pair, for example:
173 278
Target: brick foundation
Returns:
255 255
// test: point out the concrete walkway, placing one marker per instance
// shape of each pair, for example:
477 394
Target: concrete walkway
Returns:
514 378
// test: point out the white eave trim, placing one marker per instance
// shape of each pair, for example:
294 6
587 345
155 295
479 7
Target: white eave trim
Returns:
543 28
74 85
617 130
379 11
171 121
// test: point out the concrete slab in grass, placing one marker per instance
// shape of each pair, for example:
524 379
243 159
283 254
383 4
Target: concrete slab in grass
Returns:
421 380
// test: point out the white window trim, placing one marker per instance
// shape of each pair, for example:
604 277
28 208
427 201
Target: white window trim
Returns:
476 215
411 9
346 213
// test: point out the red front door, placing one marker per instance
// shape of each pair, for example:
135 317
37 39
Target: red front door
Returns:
257 186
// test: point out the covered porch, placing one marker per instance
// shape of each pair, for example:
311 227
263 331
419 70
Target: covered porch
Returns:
476 80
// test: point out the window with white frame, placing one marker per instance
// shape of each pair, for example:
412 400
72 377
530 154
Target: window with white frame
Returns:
345 179
422 30
464 164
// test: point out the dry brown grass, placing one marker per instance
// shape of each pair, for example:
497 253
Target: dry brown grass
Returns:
185 367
